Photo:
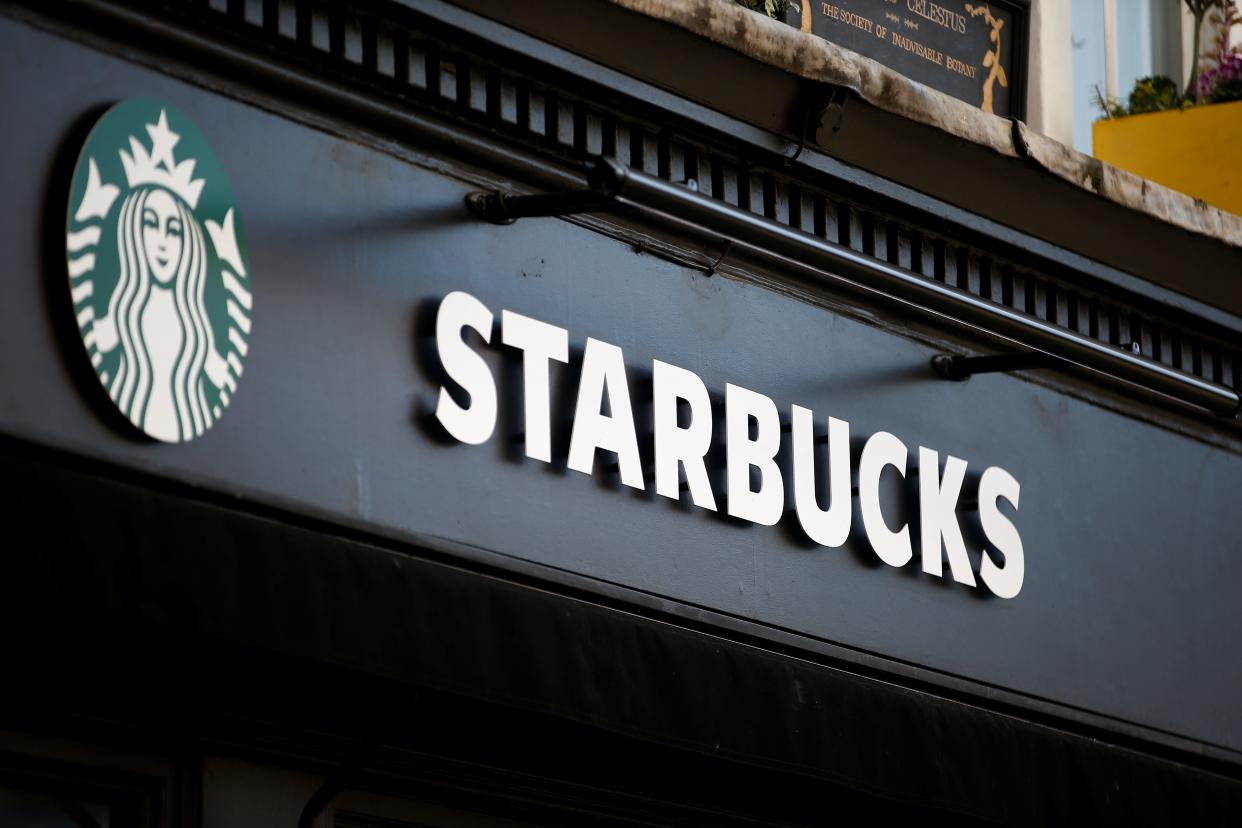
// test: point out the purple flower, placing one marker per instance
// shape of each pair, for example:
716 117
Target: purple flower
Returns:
1228 71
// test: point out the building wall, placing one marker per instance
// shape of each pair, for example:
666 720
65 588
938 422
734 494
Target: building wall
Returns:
329 600
1049 102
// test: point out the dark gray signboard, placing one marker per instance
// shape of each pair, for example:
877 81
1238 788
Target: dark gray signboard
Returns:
970 50
1128 608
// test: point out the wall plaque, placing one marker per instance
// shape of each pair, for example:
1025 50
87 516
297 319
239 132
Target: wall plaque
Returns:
971 50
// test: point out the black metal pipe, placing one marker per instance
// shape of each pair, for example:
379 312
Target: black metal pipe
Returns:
960 368
871 275
502 208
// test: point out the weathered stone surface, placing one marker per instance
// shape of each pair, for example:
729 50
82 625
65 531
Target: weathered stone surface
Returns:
810 57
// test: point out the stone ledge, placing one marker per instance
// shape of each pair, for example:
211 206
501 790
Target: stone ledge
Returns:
810 57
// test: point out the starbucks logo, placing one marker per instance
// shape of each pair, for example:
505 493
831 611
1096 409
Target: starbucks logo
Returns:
157 270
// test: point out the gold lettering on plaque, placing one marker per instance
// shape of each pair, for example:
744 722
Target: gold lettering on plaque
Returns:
960 66
908 20
847 17
916 48
992 57
938 14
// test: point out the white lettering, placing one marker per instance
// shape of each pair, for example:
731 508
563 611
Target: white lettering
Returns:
473 425
604 420
765 505
675 445
882 449
1004 580
831 526
938 516
603 373
540 343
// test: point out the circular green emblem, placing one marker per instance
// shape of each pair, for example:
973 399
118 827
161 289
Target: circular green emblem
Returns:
158 271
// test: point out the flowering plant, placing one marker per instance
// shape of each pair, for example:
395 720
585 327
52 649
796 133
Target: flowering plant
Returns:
1222 82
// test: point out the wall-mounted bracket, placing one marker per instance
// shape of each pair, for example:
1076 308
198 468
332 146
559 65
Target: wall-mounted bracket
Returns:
503 208
959 368
820 104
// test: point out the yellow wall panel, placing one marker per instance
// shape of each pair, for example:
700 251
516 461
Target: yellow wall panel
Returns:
1197 151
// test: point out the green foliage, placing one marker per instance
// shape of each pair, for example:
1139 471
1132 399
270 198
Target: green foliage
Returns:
1227 91
1153 94
772 8
1109 107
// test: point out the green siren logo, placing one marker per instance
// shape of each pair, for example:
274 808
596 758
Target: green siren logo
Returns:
158 270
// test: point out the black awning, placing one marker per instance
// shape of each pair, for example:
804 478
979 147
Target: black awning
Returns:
128 596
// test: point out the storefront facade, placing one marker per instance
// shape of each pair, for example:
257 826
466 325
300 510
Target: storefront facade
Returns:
639 514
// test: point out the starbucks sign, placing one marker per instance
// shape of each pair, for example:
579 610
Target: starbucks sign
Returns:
158 272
